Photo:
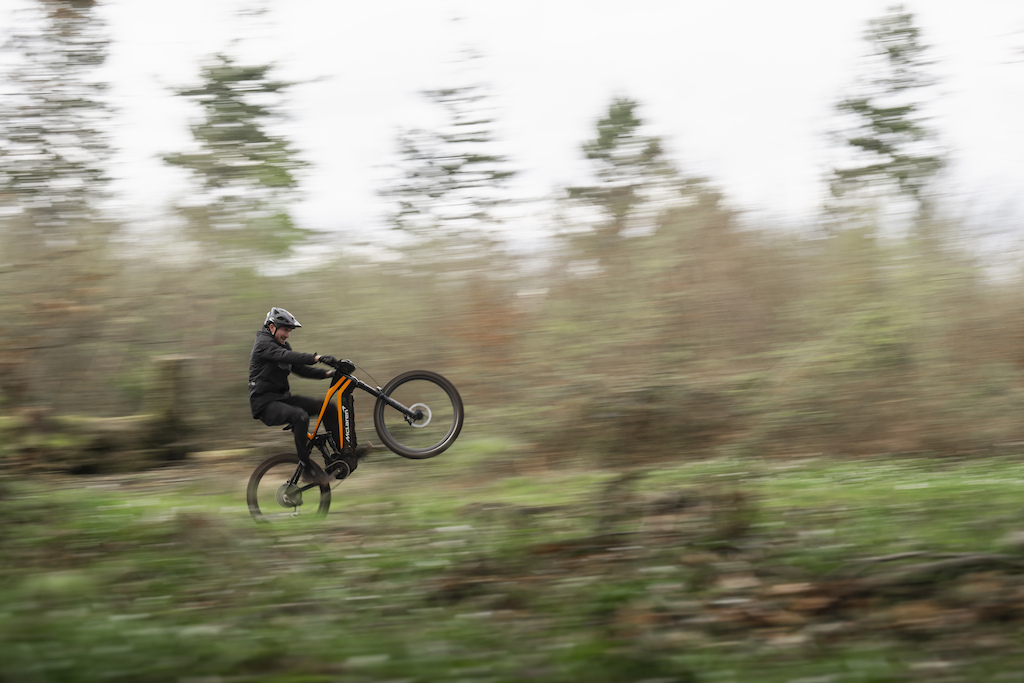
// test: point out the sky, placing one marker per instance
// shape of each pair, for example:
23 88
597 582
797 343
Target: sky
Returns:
741 91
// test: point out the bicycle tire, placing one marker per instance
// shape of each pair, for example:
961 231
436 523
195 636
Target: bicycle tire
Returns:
266 502
427 437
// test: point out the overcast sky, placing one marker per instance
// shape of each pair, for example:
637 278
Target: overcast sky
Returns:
741 90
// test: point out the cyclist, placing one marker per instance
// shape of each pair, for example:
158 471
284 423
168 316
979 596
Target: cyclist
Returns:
271 361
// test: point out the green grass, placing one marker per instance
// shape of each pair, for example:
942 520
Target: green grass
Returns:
440 571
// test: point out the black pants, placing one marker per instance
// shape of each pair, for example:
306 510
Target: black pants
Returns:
296 412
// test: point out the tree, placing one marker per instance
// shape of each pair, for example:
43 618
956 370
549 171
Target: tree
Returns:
630 169
247 175
53 148
53 176
894 151
453 181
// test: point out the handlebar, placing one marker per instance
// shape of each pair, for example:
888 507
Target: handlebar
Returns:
343 366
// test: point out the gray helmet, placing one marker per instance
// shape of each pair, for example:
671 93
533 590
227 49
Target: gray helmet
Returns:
281 318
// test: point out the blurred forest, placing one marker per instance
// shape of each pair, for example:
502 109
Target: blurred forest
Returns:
697 447
655 323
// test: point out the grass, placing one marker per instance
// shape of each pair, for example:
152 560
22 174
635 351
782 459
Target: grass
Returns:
439 570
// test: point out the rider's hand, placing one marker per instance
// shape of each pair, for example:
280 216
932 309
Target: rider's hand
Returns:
328 360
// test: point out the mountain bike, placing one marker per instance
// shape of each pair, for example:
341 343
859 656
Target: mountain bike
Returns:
417 415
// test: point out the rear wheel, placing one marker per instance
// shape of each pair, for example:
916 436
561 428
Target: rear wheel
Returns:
438 414
272 496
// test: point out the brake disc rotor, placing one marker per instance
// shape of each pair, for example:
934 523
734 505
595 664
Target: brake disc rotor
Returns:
423 421
289 496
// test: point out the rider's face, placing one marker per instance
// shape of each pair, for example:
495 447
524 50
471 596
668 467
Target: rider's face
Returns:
281 334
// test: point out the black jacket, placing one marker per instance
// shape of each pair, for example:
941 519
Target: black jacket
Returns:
269 366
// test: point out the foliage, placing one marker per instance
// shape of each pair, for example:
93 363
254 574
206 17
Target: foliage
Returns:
247 174
708 338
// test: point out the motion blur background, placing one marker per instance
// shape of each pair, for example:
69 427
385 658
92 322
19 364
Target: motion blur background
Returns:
732 227
731 290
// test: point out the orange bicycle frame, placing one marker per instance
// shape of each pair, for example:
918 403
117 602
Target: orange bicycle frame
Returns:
340 392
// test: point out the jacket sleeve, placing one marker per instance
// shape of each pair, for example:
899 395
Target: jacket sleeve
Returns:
311 373
274 353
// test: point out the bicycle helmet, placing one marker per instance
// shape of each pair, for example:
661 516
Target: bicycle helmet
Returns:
281 318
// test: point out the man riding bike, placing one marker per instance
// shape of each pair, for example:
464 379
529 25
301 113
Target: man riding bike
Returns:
271 361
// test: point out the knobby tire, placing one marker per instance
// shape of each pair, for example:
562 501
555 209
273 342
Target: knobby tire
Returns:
419 387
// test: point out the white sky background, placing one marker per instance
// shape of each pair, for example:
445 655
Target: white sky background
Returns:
741 90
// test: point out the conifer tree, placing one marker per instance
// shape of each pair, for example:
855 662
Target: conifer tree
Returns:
54 238
893 150
53 147
630 169
453 181
247 175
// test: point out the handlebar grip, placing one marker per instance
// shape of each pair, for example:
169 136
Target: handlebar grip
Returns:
344 365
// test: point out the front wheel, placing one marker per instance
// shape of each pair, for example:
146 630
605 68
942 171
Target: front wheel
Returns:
276 492
436 420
